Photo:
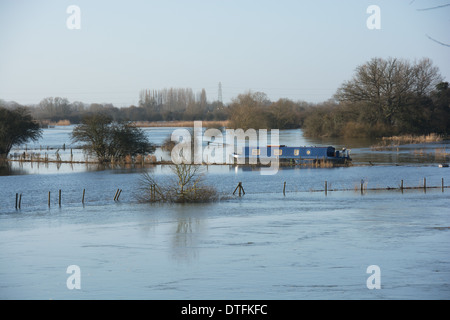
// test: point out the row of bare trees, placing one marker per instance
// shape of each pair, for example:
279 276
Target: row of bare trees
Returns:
154 105
172 99
179 104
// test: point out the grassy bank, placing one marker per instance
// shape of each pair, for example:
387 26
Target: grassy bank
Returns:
395 141
186 124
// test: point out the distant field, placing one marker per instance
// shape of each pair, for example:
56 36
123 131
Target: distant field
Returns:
209 124
214 124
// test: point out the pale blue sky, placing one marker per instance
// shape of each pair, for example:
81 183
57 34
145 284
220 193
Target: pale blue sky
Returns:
301 50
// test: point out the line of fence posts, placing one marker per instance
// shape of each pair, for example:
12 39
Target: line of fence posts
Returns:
238 188
363 186
19 198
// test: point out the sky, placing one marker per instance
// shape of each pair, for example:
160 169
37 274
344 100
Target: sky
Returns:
300 50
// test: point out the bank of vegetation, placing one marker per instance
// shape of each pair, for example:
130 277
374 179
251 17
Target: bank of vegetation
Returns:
395 141
384 98
185 185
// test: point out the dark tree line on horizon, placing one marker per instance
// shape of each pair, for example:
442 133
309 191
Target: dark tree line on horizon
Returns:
385 97
177 104
156 105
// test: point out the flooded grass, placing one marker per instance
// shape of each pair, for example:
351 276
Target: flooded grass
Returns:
390 143
184 124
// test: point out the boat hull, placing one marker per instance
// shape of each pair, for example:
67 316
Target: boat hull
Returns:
294 155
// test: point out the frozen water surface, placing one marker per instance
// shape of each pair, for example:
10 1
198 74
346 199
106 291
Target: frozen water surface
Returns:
265 245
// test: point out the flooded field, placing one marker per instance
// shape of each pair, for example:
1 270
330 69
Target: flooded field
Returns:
303 244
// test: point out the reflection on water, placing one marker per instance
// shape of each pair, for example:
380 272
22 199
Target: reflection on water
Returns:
185 238
8 169
362 153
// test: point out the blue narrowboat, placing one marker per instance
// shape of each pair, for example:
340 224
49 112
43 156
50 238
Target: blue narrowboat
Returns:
296 155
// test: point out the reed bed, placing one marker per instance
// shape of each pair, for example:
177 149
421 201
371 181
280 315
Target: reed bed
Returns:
411 139
389 143
184 124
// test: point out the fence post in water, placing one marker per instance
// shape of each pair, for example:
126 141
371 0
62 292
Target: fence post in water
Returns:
425 184
59 200
115 196
442 184
284 189
326 187
49 199
20 200
401 186
119 195
82 199
236 189
241 189
153 192
17 198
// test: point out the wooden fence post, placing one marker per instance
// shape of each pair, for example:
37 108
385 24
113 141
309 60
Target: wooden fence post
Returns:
153 192
241 189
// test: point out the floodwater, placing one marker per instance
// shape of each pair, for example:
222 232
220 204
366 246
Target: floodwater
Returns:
302 244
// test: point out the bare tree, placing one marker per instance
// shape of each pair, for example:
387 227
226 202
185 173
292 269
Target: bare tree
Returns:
186 186
249 111
388 85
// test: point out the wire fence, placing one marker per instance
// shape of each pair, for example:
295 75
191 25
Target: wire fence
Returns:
238 192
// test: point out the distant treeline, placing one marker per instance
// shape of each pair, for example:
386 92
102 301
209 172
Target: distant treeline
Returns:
176 104
163 105
385 97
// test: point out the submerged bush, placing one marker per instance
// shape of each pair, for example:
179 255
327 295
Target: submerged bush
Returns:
186 186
